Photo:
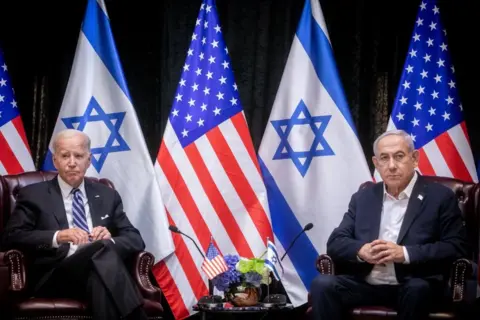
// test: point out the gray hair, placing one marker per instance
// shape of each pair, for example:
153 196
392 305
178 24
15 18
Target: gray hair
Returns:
398 132
68 133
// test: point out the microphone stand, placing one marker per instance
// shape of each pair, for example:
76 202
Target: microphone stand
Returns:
211 300
278 299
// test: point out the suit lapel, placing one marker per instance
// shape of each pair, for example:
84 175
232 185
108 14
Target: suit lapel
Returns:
376 208
415 205
58 207
94 202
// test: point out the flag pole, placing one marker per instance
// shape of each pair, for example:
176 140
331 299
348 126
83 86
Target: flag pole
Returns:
269 274
210 283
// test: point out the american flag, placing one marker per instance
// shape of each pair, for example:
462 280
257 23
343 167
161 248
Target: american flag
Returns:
214 264
15 156
207 168
428 105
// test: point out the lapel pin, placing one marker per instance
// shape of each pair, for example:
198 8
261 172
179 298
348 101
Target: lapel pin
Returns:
420 197
97 196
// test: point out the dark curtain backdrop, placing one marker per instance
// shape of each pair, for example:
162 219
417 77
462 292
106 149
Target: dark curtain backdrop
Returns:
370 39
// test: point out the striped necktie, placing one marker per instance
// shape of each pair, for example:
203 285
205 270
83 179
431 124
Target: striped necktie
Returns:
78 210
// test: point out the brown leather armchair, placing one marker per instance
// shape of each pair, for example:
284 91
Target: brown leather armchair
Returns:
468 195
14 298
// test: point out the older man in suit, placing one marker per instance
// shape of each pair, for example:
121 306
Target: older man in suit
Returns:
77 235
397 241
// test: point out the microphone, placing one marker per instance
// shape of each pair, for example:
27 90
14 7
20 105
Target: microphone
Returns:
211 300
176 230
307 227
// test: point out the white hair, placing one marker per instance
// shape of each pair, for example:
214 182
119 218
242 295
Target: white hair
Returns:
69 133
406 137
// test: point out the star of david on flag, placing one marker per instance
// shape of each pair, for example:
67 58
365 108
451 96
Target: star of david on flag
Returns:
317 147
112 121
428 105
97 101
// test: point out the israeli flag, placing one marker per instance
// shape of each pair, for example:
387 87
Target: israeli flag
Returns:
97 102
273 261
310 154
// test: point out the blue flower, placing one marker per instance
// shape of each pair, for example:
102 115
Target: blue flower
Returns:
223 281
253 278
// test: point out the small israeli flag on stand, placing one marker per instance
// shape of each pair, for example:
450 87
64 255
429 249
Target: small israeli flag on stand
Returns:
273 262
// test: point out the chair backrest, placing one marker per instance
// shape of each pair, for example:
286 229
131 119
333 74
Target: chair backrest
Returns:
11 184
468 196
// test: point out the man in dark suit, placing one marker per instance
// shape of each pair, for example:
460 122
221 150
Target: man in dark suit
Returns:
77 235
397 241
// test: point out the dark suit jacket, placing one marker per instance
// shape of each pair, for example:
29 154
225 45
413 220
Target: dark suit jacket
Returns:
433 231
40 212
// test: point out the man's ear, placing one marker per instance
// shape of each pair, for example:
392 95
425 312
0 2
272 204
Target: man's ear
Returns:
375 162
53 160
416 157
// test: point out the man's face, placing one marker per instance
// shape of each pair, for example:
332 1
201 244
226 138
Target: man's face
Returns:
72 159
394 162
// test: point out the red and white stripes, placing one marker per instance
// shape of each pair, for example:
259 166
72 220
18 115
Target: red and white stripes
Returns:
213 187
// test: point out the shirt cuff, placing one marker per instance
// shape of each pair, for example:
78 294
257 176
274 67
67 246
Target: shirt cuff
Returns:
405 254
360 259
54 240
112 240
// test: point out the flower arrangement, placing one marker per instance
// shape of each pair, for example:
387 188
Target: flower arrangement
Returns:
242 273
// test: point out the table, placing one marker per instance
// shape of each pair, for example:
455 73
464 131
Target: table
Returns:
227 311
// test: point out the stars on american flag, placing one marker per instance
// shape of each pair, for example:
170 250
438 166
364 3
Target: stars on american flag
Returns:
207 93
427 103
8 104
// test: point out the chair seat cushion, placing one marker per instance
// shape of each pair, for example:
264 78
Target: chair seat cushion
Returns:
153 308
39 307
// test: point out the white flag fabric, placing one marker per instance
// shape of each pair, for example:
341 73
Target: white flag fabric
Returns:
97 101
310 155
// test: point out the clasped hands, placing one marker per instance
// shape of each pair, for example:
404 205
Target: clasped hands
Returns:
381 252
78 236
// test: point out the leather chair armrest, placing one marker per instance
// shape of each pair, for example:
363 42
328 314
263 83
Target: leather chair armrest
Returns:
13 260
142 266
461 270
12 277
325 265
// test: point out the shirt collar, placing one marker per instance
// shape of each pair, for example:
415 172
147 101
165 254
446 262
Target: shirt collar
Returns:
406 193
67 189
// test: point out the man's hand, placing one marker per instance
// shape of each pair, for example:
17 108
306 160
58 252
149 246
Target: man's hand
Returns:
385 251
365 253
73 235
100 233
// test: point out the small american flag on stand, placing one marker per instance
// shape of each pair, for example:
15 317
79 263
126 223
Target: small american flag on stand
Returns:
428 105
214 264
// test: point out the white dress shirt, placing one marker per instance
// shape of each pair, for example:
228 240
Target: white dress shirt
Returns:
393 212
67 197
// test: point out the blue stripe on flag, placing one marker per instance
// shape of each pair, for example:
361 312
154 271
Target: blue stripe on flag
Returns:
96 27
272 267
48 163
286 227
318 48
271 246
